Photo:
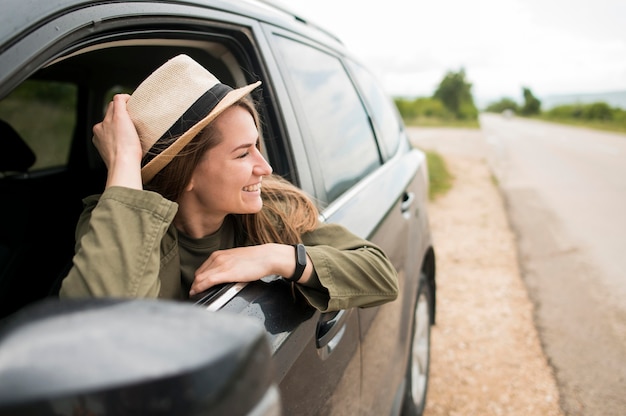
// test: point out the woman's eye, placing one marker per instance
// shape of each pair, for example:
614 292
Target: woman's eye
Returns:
243 155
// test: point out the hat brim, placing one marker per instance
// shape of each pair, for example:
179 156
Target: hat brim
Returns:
166 156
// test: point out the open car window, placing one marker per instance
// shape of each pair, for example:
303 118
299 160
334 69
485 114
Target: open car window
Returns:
51 163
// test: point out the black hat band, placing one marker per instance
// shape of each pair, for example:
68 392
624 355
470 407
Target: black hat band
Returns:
196 112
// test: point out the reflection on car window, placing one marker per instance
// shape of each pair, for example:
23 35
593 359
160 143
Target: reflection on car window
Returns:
338 125
384 111
44 114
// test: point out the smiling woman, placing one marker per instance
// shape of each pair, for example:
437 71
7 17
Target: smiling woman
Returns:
200 156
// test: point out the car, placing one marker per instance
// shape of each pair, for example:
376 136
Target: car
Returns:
328 127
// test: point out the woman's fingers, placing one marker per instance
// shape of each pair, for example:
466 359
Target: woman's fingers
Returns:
241 264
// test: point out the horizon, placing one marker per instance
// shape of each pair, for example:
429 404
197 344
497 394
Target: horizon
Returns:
615 99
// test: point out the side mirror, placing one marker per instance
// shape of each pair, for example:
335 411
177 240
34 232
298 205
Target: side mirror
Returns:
134 357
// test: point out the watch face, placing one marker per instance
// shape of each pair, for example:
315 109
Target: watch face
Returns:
300 263
301 255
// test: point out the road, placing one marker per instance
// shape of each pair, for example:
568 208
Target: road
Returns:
565 190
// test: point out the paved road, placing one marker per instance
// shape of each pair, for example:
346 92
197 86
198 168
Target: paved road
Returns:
566 193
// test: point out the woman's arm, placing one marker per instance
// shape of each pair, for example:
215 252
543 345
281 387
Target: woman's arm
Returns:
353 271
118 235
118 242
342 271
250 263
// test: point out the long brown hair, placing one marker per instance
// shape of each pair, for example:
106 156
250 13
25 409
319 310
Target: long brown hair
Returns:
287 211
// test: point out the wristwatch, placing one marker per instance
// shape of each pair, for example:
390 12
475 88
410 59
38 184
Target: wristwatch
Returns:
300 263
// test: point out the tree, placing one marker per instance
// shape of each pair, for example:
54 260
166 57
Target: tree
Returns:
531 104
456 95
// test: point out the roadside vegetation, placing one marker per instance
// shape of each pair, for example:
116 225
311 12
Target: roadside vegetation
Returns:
597 115
440 178
54 104
451 105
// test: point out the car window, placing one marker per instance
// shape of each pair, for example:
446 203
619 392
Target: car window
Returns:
43 113
383 109
53 118
338 126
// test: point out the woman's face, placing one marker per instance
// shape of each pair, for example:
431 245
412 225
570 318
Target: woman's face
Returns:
228 178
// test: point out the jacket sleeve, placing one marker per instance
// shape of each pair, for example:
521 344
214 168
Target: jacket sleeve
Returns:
118 240
353 271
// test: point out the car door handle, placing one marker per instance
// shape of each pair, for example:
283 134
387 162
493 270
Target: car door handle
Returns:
330 330
407 201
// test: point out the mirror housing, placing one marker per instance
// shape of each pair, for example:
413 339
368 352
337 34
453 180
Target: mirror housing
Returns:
131 357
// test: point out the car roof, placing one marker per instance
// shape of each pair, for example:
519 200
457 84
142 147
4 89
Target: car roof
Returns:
23 17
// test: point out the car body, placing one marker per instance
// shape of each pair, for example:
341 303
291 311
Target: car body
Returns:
327 126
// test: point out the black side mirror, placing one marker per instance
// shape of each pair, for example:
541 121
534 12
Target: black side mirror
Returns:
134 357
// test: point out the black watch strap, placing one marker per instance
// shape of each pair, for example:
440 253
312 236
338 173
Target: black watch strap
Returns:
300 263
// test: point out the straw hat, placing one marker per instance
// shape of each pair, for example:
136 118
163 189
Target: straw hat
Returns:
172 105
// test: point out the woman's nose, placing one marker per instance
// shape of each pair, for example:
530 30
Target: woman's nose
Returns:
262 168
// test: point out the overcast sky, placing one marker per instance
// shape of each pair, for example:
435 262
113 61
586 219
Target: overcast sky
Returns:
551 46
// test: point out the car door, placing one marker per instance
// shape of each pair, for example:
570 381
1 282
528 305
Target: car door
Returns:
404 234
367 177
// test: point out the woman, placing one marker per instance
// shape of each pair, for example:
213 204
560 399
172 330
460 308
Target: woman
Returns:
190 202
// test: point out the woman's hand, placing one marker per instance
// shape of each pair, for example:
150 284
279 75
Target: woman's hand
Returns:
118 143
247 264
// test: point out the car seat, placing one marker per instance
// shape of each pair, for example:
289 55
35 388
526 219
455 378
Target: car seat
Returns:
35 237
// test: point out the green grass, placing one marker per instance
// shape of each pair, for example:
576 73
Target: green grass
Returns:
45 125
441 122
617 126
440 178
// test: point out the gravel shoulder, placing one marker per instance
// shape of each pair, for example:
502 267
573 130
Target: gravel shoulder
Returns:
486 356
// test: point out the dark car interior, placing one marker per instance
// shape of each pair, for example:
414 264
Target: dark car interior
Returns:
48 163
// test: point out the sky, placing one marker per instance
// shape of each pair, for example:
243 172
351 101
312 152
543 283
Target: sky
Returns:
553 47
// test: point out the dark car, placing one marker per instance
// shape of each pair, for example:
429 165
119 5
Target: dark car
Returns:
327 126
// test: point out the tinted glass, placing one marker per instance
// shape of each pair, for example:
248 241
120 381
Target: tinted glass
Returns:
384 111
338 126
44 114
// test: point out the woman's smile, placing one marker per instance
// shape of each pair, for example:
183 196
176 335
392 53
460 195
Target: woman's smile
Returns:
253 188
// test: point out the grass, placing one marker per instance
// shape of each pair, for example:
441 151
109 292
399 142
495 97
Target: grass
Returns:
35 120
440 178
441 122
617 126
613 126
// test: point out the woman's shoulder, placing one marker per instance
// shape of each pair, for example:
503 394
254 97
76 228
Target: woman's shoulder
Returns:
128 197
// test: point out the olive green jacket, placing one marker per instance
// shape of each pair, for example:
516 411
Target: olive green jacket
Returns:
126 246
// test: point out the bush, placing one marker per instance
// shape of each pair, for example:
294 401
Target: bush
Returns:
594 111
504 104
595 115
598 111
422 107
430 107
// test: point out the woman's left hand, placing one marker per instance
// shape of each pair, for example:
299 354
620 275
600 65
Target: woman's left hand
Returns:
247 264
